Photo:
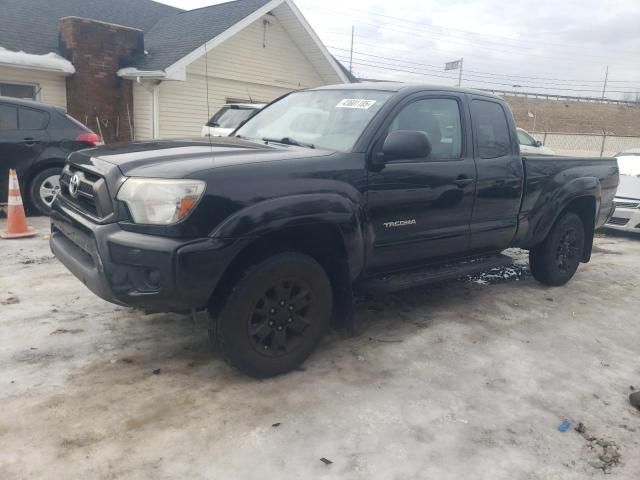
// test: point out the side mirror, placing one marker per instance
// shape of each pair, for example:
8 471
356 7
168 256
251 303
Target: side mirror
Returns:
537 143
401 144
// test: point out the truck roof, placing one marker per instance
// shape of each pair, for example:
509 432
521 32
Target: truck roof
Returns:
404 87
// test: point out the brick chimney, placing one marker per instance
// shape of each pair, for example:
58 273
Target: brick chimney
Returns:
95 93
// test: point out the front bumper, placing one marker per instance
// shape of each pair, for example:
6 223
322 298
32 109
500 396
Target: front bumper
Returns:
625 219
144 271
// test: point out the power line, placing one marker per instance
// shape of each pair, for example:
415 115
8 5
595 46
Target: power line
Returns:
401 48
446 58
442 38
430 74
447 30
480 74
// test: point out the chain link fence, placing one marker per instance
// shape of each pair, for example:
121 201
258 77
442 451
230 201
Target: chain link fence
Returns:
586 145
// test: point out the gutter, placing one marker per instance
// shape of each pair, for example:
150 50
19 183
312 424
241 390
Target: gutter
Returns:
132 73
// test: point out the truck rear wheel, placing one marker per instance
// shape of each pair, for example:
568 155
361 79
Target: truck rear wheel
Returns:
274 316
556 260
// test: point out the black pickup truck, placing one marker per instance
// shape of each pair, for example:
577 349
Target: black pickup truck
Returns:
325 192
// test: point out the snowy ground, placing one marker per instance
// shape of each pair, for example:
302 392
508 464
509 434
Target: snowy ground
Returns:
469 379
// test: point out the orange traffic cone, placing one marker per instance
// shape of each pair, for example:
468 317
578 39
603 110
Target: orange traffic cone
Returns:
16 219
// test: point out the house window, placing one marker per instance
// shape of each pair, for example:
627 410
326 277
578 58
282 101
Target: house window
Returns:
18 91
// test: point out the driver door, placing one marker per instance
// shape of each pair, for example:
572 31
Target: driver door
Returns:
420 208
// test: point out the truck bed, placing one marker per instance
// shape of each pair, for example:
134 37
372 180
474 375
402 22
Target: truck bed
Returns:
550 180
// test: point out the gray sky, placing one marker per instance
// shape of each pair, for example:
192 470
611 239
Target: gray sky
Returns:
553 46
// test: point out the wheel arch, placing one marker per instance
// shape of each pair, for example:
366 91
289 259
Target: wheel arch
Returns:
580 195
325 242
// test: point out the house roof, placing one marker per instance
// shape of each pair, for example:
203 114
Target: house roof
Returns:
32 25
172 38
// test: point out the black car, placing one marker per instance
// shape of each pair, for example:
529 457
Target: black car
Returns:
35 139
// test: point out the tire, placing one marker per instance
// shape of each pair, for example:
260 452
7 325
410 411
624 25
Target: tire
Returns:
42 189
555 261
274 316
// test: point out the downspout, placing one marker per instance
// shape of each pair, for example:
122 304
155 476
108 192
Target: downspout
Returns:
155 110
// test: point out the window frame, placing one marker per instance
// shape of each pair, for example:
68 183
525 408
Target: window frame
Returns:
383 131
36 88
475 124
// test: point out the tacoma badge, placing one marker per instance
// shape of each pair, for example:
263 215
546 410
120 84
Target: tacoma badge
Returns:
399 223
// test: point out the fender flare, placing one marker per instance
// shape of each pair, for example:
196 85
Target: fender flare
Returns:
280 213
556 205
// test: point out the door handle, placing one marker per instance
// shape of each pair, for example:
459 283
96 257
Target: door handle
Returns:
462 181
29 141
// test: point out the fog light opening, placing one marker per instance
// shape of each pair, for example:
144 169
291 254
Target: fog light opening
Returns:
152 278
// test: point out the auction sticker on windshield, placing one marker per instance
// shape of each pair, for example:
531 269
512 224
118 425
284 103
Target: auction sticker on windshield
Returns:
355 103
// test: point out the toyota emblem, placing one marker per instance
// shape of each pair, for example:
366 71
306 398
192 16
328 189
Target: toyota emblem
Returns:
74 183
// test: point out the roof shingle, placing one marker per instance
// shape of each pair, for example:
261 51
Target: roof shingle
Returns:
176 36
32 25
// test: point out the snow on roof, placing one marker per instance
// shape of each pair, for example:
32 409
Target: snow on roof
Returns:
49 61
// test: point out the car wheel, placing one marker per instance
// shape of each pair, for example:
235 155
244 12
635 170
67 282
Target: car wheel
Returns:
43 188
556 260
274 316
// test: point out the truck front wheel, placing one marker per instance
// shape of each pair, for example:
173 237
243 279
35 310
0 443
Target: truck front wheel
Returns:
556 260
274 316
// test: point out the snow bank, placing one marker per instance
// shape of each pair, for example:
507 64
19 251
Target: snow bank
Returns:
50 61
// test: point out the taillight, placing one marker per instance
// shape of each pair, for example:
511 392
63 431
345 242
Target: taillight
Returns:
90 138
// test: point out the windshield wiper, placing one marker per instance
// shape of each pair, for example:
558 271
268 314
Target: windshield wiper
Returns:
288 141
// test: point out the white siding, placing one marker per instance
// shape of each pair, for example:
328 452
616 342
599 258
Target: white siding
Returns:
240 68
304 40
142 112
243 57
52 87
183 105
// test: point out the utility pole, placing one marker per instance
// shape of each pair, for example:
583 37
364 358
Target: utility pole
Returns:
606 77
351 54
460 74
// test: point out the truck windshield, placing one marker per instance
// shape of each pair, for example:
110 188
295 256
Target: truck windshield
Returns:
327 119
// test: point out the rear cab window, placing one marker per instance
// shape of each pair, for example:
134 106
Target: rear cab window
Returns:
491 129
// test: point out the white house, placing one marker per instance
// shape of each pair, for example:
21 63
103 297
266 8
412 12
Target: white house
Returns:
136 68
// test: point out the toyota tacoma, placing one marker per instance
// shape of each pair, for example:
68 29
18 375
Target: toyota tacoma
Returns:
324 193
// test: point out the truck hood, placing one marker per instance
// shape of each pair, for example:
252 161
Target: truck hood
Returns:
181 157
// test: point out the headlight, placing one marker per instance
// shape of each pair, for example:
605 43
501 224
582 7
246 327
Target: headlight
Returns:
160 202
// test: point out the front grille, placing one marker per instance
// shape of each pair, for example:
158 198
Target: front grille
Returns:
618 221
91 196
626 203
